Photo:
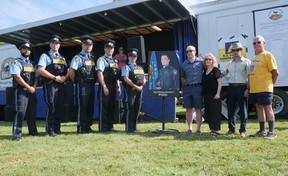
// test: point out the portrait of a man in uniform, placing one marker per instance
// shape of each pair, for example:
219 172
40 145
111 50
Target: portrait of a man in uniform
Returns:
168 77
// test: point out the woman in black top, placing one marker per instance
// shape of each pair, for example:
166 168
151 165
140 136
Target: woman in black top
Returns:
212 84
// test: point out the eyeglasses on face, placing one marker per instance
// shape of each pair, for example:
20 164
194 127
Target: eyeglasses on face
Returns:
209 59
189 51
259 42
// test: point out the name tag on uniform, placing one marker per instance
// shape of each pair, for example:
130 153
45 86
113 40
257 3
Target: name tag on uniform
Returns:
58 61
90 63
29 69
113 65
139 72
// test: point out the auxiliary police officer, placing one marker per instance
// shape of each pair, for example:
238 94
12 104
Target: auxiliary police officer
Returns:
53 67
134 81
108 76
83 72
24 83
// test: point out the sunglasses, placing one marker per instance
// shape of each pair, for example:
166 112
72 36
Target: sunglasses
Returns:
236 50
208 59
189 51
254 43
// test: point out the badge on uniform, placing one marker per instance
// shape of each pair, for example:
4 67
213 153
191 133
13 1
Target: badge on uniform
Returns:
175 72
77 59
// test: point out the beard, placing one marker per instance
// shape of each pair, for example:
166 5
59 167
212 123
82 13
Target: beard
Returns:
25 55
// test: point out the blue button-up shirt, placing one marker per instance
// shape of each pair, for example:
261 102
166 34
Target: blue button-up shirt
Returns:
126 69
46 60
192 71
77 62
16 67
102 63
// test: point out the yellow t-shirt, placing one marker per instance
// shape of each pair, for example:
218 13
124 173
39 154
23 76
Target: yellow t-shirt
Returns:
260 77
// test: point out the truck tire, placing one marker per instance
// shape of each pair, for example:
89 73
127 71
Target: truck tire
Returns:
280 103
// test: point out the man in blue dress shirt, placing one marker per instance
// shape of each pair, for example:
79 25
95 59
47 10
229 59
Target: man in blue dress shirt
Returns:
191 78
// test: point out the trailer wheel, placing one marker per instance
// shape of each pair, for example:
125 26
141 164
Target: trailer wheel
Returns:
280 103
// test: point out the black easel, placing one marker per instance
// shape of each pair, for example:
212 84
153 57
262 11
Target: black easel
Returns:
164 120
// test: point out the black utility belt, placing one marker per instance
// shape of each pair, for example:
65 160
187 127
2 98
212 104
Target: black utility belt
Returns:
89 80
193 85
237 84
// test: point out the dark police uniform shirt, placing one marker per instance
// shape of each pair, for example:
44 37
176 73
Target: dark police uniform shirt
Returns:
168 78
192 71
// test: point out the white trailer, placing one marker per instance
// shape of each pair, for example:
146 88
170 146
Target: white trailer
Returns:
220 23
7 54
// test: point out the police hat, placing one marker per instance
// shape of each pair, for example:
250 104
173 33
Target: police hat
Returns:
55 38
24 44
86 39
236 46
133 52
109 43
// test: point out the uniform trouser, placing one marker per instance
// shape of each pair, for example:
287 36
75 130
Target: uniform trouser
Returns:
125 107
212 112
85 96
25 108
54 98
107 107
236 96
134 102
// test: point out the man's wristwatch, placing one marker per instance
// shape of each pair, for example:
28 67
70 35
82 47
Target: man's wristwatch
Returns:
54 78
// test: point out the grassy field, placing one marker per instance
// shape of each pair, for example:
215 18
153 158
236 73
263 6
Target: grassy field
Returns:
146 152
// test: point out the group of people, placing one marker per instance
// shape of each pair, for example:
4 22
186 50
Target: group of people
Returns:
84 71
202 79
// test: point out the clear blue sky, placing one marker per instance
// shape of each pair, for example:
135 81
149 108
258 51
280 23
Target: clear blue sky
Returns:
15 12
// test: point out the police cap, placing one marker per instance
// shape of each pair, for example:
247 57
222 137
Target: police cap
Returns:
86 39
236 46
109 43
133 52
24 44
55 38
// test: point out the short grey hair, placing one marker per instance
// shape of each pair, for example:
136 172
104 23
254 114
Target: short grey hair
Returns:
261 38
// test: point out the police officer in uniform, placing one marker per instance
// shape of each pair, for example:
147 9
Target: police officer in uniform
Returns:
108 76
134 81
168 76
24 83
83 72
53 67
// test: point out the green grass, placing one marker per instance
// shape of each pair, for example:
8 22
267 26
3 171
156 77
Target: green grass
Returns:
144 153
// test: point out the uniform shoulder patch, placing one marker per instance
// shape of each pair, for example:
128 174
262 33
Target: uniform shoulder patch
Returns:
13 63
77 59
101 59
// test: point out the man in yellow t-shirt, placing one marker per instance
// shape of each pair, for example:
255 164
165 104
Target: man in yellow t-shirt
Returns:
263 75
